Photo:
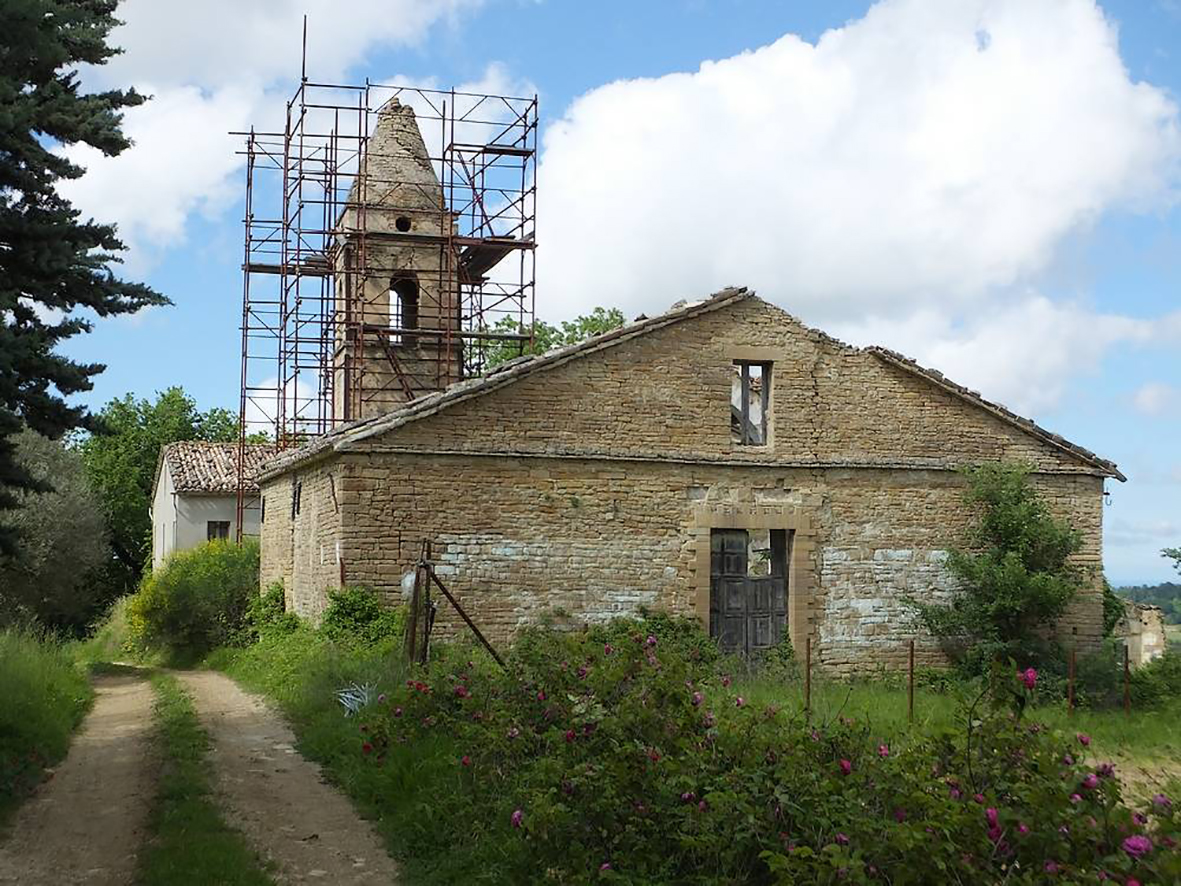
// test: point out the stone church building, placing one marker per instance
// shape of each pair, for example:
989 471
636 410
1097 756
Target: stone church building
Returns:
721 460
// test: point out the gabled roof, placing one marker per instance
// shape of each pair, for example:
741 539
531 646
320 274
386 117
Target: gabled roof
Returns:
198 467
505 374
973 397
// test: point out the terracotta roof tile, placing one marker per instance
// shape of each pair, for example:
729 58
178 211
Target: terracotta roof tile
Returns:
197 466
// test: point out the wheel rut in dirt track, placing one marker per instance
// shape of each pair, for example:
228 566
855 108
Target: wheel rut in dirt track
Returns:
86 825
278 799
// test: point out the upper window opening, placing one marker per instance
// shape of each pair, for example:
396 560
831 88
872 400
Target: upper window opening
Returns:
403 309
750 401
217 529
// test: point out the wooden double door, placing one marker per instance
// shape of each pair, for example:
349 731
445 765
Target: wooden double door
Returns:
747 610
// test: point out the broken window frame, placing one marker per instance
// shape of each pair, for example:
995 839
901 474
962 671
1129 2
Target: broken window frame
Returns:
745 436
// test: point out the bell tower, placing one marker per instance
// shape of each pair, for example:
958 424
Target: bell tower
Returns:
396 305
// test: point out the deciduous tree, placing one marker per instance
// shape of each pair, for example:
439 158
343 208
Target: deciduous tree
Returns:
121 464
63 540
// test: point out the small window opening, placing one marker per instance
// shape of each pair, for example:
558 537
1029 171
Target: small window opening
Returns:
296 494
402 223
262 510
750 400
217 529
403 309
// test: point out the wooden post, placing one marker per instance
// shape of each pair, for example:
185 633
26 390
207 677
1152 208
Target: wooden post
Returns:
1127 684
1070 684
910 685
808 677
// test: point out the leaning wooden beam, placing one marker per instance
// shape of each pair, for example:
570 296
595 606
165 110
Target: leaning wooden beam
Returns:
471 624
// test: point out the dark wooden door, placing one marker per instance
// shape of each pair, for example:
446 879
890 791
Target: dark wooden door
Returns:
747 614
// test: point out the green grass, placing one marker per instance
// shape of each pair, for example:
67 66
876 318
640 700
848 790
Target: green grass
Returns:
1145 733
301 673
43 698
189 841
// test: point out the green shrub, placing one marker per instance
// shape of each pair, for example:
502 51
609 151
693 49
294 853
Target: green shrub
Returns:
268 613
43 697
355 614
615 755
1015 575
1157 682
198 600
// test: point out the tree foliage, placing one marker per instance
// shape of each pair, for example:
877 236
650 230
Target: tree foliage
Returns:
545 336
121 460
53 263
64 540
1173 554
1015 572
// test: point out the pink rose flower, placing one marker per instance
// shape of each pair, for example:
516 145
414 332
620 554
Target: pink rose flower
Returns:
883 751
517 817
846 767
1083 739
1137 845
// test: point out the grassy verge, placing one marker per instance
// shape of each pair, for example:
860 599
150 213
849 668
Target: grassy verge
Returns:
189 842
43 698
1151 732
301 672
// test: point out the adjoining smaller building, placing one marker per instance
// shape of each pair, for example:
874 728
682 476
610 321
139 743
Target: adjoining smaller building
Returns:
195 494
1142 628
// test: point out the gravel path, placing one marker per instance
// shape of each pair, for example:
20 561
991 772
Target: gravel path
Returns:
87 824
278 799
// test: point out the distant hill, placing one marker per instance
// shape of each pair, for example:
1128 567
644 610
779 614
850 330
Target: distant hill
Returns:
1166 595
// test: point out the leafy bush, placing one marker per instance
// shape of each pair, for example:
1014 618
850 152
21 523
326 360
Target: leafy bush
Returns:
44 698
1015 574
356 614
198 600
268 613
1157 682
624 753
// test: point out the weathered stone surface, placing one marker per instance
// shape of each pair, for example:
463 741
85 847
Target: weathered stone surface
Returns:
590 488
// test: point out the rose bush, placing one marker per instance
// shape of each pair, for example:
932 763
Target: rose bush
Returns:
626 753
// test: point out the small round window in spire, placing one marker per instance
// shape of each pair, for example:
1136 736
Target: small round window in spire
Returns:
402 223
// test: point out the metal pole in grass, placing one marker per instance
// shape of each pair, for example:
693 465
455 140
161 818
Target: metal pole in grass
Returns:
910 685
808 676
1070 685
1127 684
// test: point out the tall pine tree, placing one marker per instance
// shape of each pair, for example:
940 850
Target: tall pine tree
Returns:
53 264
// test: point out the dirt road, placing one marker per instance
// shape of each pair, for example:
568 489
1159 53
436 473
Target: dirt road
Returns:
86 825
278 799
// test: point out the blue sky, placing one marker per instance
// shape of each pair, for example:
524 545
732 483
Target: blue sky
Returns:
987 185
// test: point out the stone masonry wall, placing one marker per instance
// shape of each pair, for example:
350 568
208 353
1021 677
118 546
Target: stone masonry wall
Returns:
538 538
590 488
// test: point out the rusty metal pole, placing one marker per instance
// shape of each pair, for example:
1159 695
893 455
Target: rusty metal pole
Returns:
1070 684
910 685
808 677
1127 684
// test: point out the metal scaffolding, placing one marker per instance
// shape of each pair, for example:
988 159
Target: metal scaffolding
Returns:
329 333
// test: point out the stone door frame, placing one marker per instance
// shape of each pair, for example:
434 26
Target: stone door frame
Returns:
800 557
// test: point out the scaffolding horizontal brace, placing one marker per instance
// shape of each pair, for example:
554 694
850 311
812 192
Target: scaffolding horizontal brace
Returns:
500 150
290 270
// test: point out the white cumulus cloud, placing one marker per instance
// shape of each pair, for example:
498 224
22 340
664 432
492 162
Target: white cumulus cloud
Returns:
1156 398
921 155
